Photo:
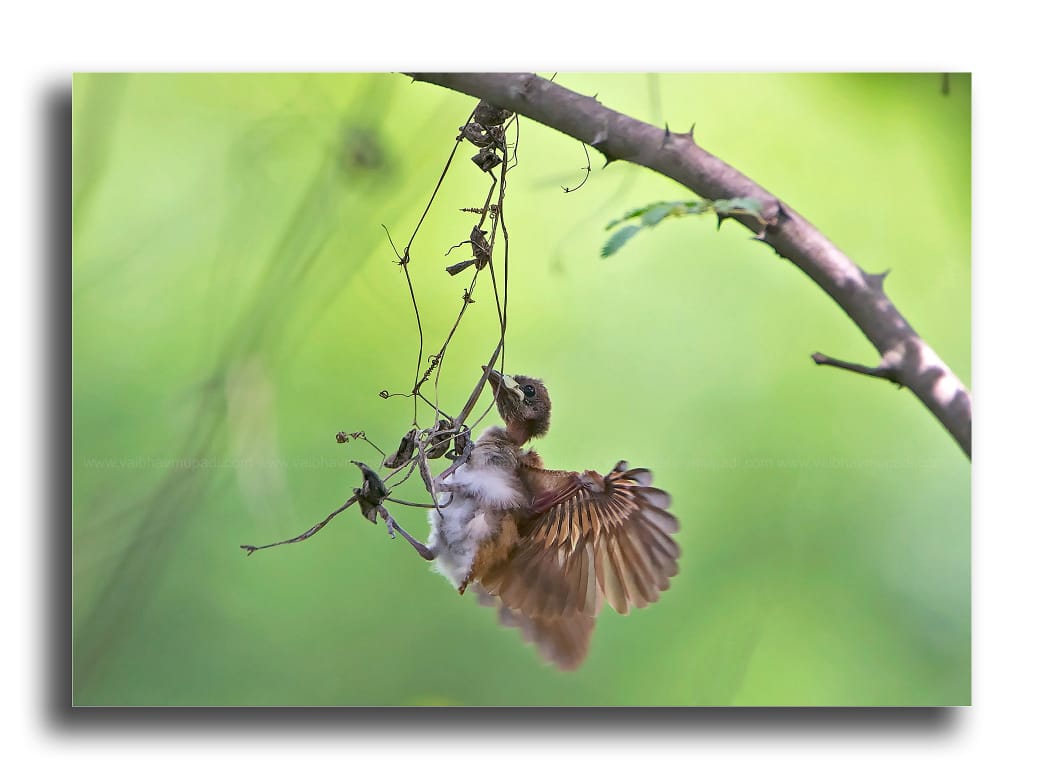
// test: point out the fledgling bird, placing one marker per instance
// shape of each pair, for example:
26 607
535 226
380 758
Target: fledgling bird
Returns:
547 548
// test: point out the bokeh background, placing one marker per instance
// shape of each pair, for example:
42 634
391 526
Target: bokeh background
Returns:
236 303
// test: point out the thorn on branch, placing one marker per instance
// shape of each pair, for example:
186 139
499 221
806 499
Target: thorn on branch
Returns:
876 280
880 372
599 142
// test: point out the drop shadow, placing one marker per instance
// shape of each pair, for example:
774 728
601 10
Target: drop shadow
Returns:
551 723
55 485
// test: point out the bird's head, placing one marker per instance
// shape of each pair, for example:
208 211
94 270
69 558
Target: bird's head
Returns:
523 403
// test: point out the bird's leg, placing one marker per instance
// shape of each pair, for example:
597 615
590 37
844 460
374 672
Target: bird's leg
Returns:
434 486
392 525
425 472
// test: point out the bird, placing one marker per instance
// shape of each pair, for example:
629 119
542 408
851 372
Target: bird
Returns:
546 548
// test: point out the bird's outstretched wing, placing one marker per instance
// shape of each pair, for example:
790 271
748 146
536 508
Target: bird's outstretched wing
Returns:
588 537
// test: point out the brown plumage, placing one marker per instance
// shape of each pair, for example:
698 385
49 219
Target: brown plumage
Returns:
570 541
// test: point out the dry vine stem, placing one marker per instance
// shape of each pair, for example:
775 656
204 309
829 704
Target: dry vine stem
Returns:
448 436
905 358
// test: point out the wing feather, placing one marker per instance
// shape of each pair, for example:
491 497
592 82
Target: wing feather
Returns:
596 537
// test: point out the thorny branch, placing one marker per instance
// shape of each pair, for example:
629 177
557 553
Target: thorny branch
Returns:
676 155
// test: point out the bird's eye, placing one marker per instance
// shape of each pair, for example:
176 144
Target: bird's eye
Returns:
529 390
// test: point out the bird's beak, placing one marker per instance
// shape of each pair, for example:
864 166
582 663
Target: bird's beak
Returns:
498 380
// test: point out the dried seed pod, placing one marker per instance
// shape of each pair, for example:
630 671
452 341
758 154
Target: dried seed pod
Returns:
460 442
439 441
475 133
487 159
480 247
372 492
402 455
497 138
489 115
457 267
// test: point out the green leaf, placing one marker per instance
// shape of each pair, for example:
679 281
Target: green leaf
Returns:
619 238
633 213
655 214
738 205
697 206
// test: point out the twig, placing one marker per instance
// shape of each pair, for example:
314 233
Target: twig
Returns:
880 372
475 393
420 444
676 155
586 169
404 262
308 533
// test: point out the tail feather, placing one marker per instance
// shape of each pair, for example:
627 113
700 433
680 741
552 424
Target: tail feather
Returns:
563 641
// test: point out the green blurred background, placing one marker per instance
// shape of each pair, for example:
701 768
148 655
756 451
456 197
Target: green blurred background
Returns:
235 303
